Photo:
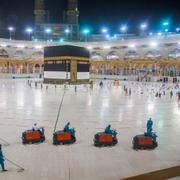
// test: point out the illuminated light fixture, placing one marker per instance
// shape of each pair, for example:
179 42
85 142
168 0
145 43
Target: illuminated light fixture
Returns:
86 31
106 47
159 33
10 28
132 45
143 26
67 31
165 23
177 29
89 47
4 45
154 44
104 30
123 28
38 47
20 46
107 36
61 40
29 30
48 30
166 30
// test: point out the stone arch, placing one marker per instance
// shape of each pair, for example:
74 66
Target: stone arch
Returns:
96 56
152 54
175 53
171 71
37 68
37 55
112 56
12 68
30 68
4 53
2 68
151 68
102 69
178 70
20 68
131 54
19 54
160 69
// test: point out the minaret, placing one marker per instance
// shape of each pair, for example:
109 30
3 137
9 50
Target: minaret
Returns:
39 12
72 12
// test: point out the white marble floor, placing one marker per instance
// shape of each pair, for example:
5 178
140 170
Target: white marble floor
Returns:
89 112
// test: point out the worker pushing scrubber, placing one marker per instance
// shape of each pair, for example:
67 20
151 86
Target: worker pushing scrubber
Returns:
69 130
148 140
106 138
35 135
67 136
109 131
149 130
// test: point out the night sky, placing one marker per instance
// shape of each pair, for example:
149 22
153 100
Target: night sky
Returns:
96 13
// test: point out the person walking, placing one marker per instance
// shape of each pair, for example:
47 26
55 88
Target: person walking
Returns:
160 94
101 84
2 159
129 91
171 94
178 97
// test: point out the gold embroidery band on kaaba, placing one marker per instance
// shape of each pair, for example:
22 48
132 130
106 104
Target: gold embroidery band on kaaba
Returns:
66 58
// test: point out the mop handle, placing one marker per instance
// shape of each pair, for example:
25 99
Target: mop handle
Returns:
4 141
14 163
59 110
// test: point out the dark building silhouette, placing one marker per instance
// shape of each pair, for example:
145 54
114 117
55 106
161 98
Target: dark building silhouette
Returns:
69 29
72 12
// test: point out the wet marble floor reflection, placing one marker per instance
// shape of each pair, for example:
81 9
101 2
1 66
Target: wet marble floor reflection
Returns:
89 111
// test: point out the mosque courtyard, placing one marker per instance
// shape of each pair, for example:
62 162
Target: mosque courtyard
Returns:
89 111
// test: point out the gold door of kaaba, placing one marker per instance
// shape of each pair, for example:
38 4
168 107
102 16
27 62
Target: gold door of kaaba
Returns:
73 70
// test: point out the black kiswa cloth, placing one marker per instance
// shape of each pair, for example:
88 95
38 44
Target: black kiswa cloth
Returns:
66 50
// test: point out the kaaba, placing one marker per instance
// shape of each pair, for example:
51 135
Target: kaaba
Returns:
66 63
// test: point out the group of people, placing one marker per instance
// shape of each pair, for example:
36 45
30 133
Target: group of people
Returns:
108 130
66 129
157 89
71 131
